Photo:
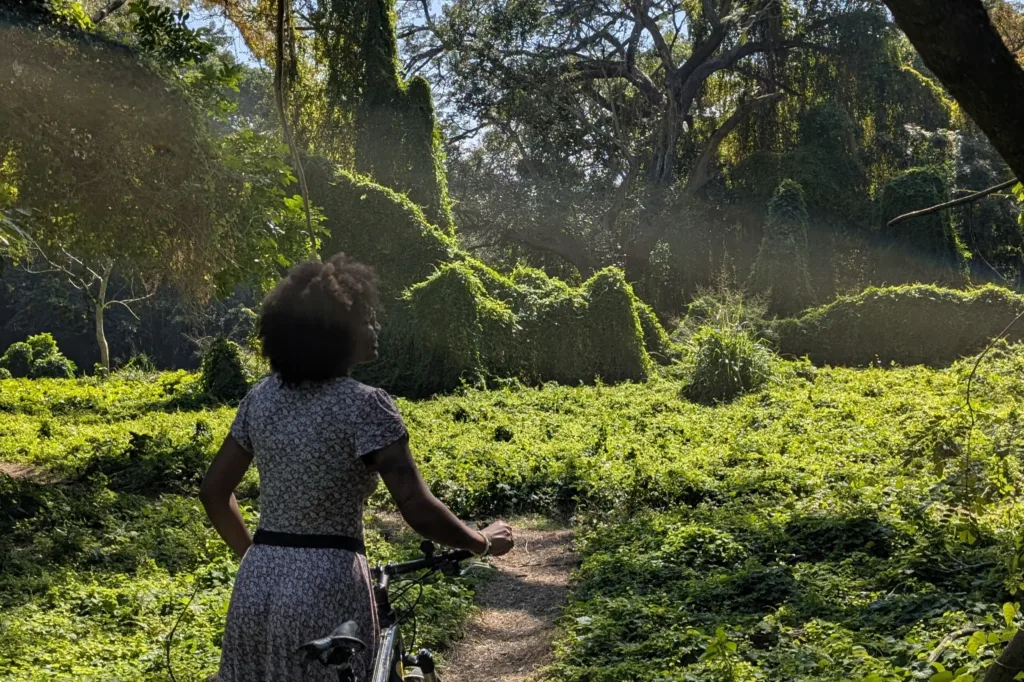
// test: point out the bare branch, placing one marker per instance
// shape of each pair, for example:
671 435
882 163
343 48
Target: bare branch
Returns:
711 14
955 202
949 639
127 303
632 44
469 132
602 69
574 253
427 16
422 59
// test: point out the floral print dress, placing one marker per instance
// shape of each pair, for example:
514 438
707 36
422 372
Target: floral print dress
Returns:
307 442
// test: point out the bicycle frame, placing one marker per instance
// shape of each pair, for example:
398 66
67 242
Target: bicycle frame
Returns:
391 660
388 666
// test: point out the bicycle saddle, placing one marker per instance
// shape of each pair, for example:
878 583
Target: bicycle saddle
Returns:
336 648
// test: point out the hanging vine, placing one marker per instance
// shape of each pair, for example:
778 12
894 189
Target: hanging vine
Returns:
281 82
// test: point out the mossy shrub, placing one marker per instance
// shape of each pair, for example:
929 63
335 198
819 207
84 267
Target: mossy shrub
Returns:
222 374
781 271
533 284
724 364
922 249
495 284
467 322
18 360
378 226
908 325
43 346
5 373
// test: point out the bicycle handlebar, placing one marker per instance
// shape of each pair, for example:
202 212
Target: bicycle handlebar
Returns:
430 560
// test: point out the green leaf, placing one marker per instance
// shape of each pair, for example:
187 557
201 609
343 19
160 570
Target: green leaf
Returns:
1009 613
944 676
977 640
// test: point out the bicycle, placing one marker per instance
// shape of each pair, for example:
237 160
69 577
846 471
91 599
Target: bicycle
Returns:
392 663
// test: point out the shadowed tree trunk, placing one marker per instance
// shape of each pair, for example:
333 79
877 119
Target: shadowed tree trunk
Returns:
957 41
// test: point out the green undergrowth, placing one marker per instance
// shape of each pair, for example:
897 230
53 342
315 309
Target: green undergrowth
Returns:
815 529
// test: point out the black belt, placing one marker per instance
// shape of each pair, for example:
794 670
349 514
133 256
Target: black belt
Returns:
270 537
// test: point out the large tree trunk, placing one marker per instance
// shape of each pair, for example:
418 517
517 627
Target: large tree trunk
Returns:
1009 663
957 41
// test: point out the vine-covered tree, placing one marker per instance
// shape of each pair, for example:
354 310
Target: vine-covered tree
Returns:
780 271
921 249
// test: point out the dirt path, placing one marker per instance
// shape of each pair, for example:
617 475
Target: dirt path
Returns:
24 471
510 638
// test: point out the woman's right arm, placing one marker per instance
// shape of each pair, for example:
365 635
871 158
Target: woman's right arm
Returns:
424 513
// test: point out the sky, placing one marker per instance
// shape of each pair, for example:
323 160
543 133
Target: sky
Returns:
218 23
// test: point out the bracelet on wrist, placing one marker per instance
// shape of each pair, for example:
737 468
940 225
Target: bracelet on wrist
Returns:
487 545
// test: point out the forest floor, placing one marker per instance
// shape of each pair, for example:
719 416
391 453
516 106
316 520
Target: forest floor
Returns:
510 637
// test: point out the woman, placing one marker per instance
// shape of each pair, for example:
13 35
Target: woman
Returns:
320 440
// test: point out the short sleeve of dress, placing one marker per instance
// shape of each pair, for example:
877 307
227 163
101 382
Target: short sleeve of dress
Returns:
379 424
240 426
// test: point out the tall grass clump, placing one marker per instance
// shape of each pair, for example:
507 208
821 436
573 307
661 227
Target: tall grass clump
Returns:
724 305
724 364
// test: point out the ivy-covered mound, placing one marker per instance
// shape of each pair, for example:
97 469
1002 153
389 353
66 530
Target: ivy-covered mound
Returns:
468 322
449 317
908 325
377 226
37 357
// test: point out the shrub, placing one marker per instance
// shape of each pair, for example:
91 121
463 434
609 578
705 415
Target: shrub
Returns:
909 325
37 357
53 367
457 331
5 373
18 360
222 375
586 333
725 364
43 346
656 340
781 271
